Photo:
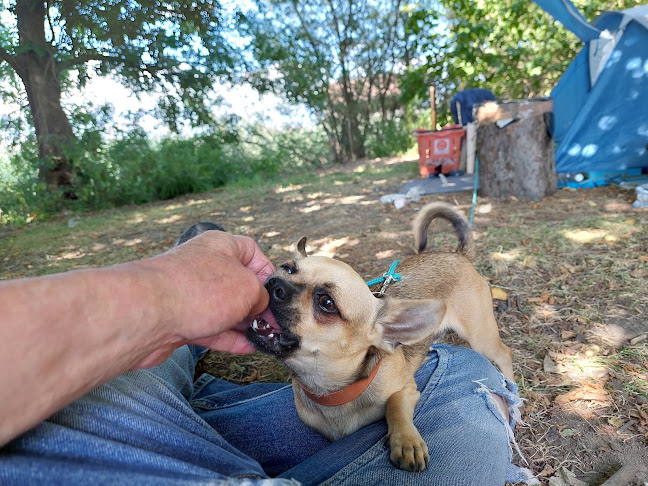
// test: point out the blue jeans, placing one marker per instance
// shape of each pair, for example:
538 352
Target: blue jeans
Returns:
158 427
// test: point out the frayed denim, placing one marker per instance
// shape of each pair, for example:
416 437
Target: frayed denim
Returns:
158 427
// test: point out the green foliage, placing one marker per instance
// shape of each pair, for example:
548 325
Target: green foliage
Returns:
134 170
389 137
177 48
341 59
22 196
511 47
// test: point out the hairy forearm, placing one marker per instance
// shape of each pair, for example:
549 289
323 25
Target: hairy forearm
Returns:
63 335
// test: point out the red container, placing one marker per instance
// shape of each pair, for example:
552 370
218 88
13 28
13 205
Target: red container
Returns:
440 148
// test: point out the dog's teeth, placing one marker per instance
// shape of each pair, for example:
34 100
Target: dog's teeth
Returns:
271 335
255 325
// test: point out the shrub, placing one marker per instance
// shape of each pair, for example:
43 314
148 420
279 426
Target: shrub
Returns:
134 170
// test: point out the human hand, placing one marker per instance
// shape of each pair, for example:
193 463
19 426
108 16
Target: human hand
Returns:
212 288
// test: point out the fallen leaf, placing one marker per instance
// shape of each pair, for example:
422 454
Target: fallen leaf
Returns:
255 376
565 334
639 273
499 294
568 432
616 421
591 394
546 471
536 300
548 365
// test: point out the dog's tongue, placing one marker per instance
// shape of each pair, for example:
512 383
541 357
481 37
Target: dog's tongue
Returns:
265 324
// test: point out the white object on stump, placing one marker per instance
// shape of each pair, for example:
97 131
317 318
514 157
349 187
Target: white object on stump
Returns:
516 149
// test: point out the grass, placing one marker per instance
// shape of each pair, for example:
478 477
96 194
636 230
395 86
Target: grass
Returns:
574 266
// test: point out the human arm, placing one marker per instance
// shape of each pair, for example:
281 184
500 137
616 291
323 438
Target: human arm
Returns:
63 335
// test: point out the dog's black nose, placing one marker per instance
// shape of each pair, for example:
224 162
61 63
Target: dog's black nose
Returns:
279 289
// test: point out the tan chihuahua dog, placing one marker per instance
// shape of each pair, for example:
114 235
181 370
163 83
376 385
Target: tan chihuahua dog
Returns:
353 352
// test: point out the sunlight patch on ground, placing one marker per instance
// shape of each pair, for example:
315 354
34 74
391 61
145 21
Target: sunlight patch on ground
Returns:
184 204
137 218
385 254
193 202
290 188
360 169
344 200
506 256
171 219
389 236
271 234
328 247
584 236
72 255
311 209
127 243
485 208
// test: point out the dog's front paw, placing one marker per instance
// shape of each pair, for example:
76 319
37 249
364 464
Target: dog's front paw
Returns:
409 451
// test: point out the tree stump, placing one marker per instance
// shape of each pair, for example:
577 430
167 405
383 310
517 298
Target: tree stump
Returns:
516 149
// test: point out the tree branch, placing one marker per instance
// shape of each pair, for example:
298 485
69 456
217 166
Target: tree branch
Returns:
82 59
11 60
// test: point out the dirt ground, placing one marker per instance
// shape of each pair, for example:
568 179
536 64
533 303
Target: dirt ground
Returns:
571 270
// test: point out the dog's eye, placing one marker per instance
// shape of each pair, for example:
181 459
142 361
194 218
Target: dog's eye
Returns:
289 269
326 303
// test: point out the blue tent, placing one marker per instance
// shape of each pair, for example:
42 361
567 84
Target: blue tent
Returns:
601 101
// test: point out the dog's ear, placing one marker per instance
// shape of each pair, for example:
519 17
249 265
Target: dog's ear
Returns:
301 246
401 321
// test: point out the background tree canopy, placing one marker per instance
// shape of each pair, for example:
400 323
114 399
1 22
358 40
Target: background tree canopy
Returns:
362 68
343 59
177 47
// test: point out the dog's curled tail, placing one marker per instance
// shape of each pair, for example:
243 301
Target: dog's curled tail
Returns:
434 210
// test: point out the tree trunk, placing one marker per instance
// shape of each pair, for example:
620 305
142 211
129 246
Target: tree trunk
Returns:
37 69
516 150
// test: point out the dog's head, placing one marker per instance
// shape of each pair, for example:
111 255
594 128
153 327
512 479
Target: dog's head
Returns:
327 318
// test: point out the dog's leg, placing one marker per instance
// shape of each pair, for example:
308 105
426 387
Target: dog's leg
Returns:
486 340
477 325
408 449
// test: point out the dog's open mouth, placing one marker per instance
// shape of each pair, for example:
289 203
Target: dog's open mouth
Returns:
269 337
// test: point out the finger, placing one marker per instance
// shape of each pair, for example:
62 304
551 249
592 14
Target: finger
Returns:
251 256
256 295
231 341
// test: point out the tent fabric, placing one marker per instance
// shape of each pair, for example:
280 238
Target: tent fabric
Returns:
601 122
568 15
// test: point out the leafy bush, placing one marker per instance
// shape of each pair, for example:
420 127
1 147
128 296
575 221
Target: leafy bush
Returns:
23 197
390 137
135 170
